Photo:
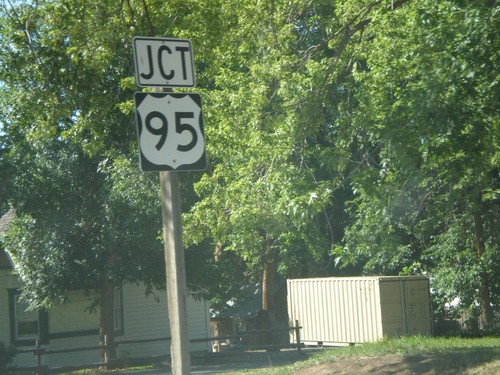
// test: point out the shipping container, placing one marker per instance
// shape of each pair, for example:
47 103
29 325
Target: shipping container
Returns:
349 310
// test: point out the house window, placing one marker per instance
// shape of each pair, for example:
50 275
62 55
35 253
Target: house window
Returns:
27 321
65 320
26 325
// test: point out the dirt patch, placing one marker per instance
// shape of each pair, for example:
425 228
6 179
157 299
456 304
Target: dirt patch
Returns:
468 361
394 364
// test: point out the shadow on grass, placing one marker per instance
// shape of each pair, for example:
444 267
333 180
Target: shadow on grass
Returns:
444 362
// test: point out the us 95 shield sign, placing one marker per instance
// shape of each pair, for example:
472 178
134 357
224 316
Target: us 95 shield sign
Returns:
170 132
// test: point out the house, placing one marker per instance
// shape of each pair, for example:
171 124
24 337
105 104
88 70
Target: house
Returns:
71 325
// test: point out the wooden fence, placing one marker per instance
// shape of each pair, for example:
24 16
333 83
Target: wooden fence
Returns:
39 351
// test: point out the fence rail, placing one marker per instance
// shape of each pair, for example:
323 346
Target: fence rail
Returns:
40 351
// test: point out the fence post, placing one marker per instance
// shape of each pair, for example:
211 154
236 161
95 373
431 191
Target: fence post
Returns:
297 335
106 357
38 353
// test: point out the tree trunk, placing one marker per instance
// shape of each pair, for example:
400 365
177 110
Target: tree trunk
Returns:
218 252
268 279
107 327
485 319
269 271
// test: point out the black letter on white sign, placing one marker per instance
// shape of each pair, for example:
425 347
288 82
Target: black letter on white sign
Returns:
160 50
182 50
151 70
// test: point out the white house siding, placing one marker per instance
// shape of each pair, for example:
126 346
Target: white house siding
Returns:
80 358
62 319
146 317
74 316
199 324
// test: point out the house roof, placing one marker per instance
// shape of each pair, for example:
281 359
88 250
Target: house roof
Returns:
4 260
5 220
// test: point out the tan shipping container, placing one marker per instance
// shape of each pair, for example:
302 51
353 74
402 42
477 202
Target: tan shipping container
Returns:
347 310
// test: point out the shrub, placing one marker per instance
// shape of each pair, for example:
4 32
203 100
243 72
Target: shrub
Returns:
7 354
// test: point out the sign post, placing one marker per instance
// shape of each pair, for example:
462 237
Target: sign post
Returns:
176 272
171 139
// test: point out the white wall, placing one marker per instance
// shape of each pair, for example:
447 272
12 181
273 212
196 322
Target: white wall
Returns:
145 317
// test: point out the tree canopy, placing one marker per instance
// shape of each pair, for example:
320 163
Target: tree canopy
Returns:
343 137
426 90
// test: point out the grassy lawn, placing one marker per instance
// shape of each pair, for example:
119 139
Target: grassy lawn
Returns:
412 355
403 356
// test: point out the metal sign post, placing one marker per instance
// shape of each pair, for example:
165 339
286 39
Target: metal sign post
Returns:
171 139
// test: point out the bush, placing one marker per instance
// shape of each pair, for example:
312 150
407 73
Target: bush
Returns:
7 354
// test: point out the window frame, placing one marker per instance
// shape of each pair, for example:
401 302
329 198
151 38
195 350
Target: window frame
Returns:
43 324
44 334
118 313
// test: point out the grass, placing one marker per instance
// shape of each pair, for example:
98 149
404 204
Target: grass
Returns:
414 345
474 348
448 350
95 371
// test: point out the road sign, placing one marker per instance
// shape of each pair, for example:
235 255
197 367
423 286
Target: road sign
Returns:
163 62
170 131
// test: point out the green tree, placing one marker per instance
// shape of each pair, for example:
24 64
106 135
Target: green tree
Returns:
384 110
263 199
385 100
425 84
85 213
5 170
83 225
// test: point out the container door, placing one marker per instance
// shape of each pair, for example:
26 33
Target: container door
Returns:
392 307
418 307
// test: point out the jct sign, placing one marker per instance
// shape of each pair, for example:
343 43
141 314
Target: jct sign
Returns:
163 62
170 128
